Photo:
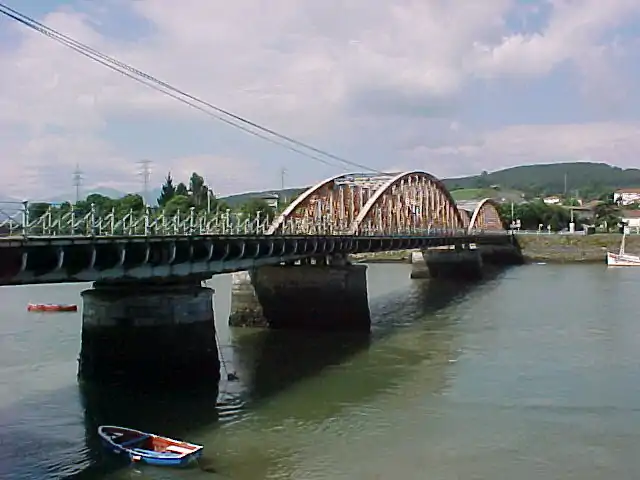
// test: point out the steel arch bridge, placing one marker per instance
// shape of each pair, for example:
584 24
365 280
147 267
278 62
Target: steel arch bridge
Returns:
407 203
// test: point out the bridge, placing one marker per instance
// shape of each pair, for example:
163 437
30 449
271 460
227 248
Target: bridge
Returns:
149 311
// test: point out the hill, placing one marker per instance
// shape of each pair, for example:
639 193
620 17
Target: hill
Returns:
586 178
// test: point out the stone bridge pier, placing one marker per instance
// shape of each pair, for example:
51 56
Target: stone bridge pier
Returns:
463 261
149 331
320 294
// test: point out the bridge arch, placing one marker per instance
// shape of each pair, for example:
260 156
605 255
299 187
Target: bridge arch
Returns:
409 200
486 216
330 205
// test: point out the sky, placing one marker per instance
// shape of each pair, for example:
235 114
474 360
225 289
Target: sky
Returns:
451 87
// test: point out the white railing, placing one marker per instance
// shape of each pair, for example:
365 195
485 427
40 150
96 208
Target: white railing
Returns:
16 221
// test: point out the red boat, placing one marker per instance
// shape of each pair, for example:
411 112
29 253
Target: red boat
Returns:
48 307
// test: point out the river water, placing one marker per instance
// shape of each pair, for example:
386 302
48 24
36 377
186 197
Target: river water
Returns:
532 374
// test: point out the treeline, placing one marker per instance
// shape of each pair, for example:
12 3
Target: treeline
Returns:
181 197
606 215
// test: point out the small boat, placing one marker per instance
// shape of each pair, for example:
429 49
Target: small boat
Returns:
622 259
147 447
48 307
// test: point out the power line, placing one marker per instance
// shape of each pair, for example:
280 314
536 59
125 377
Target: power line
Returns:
145 172
77 181
110 62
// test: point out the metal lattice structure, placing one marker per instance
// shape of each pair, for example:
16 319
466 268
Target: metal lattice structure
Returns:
406 203
486 216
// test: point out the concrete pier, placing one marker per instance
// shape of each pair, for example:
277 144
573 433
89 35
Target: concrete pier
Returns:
149 332
418 265
246 310
313 297
459 263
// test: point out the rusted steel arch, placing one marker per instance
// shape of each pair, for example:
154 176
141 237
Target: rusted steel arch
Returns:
486 216
412 200
280 219
330 205
466 217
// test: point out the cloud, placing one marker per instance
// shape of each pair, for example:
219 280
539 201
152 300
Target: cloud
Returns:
383 83
529 144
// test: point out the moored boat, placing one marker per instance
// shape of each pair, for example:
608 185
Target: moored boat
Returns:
622 259
48 307
148 447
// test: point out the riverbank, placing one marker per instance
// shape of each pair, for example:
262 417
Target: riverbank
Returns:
400 256
556 248
546 248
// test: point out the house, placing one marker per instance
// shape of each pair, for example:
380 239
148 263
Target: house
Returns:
552 200
631 218
272 199
627 196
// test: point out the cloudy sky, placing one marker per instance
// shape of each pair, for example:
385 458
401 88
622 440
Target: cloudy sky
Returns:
452 87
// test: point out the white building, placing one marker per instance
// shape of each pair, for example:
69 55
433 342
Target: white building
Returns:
631 218
627 196
553 200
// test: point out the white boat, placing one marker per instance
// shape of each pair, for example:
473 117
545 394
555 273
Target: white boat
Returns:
622 259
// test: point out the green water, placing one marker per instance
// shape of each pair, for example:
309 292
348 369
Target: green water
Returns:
532 374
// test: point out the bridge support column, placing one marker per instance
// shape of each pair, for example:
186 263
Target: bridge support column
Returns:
313 297
458 263
246 310
149 332
418 265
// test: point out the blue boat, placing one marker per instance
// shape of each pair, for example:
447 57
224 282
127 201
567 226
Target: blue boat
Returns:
148 447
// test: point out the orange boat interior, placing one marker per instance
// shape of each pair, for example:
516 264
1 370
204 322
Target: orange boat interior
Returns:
150 443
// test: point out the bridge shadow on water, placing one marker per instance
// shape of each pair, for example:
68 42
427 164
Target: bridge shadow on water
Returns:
270 361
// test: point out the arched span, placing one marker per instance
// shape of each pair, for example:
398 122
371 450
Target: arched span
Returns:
486 216
330 205
409 202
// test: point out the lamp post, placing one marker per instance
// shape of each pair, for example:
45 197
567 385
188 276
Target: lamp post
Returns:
210 194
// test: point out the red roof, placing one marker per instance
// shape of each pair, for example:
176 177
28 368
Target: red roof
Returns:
628 190
630 214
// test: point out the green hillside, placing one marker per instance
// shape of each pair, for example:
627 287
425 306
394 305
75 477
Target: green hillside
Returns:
585 178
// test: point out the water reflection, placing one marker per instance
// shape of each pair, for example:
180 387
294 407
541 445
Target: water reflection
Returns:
271 361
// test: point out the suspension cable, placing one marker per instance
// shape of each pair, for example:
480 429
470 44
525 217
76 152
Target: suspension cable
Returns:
162 87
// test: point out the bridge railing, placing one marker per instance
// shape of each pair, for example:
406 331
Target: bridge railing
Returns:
16 221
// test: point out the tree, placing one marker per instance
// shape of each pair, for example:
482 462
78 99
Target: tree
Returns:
168 191
533 214
251 207
198 190
102 204
180 203
36 210
607 212
182 190
130 202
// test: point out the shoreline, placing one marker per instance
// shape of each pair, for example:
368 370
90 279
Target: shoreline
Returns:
539 248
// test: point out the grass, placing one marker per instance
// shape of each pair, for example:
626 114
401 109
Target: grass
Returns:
464 194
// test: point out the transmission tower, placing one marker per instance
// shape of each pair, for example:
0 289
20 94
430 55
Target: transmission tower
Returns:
77 181
145 172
